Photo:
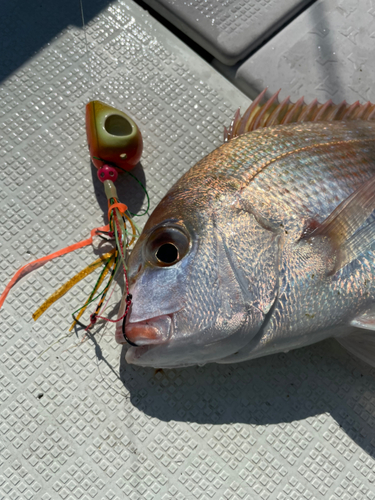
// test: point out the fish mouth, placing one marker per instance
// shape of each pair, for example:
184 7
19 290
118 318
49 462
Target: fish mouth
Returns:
153 331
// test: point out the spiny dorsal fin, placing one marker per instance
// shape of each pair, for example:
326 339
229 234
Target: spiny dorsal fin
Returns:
263 113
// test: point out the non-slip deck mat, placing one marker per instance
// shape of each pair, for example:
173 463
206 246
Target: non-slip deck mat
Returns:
327 53
230 29
77 422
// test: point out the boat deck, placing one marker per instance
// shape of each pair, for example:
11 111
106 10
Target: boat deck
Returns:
77 422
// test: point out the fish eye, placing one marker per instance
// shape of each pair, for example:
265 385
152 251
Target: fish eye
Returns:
166 246
167 253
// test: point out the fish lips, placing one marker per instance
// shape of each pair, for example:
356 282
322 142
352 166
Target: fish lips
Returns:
145 332
153 331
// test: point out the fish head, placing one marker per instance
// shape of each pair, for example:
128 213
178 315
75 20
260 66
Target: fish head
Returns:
188 303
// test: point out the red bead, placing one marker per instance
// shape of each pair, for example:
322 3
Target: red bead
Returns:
107 173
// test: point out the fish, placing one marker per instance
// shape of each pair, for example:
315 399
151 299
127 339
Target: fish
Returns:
265 245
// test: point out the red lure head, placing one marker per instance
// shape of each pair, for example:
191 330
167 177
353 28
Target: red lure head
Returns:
112 136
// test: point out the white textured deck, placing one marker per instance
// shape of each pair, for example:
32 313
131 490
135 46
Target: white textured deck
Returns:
79 423
228 29
327 53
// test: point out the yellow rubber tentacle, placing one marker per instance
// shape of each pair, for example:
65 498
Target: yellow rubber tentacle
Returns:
69 284
31 266
106 271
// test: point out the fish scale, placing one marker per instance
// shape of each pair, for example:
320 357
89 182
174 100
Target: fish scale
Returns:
299 298
245 157
308 187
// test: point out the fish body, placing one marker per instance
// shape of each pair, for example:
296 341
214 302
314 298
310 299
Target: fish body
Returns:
264 246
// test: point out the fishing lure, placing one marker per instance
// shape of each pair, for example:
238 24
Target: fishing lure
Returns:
115 145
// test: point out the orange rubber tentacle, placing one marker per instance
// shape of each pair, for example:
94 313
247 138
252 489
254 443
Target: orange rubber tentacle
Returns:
122 208
39 262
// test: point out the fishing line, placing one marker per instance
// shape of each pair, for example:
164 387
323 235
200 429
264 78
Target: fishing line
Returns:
113 287
94 316
91 78
145 191
100 280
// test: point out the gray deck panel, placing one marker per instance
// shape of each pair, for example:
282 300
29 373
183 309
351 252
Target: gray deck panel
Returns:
230 29
327 53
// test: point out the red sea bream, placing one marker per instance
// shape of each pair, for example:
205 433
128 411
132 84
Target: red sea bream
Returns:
265 245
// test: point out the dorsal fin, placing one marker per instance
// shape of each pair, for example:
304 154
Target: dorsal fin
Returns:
265 113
